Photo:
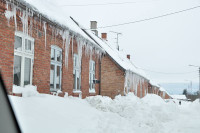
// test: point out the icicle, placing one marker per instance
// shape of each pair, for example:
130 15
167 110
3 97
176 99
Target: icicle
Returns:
67 46
91 52
72 45
79 49
132 81
15 12
45 33
24 22
9 14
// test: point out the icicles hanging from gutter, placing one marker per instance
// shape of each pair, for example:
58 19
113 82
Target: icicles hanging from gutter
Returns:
67 45
132 81
45 33
10 14
31 18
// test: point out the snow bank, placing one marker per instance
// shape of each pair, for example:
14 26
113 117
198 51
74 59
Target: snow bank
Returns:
27 91
100 114
153 99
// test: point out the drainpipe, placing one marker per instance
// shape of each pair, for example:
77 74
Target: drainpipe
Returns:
100 76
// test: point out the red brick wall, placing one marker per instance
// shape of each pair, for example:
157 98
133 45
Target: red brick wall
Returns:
112 78
41 66
141 89
6 49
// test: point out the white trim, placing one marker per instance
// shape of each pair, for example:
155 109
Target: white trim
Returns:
77 91
76 72
23 53
56 64
92 67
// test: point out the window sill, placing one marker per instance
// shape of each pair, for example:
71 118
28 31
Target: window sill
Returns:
92 91
53 90
77 91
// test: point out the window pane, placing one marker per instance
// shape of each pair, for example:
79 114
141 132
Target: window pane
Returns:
52 54
28 44
17 70
52 76
18 43
74 76
58 54
27 71
58 76
78 87
93 66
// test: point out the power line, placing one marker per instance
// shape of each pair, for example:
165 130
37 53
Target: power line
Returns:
104 4
147 19
168 73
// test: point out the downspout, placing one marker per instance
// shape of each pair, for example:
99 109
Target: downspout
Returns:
100 76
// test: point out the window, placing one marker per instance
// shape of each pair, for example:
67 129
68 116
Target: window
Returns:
56 68
76 73
92 76
136 87
23 59
163 95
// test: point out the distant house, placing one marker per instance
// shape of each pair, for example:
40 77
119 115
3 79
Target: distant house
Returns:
41 46
118 74
164 94
179 97
153 87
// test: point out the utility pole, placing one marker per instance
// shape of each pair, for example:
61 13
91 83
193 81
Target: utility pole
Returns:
190 84
199 79
117 42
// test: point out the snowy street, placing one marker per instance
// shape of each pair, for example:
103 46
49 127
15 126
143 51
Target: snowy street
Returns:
151 114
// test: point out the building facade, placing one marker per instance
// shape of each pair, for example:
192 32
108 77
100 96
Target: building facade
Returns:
35 50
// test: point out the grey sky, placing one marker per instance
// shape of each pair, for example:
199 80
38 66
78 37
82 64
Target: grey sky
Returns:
166 44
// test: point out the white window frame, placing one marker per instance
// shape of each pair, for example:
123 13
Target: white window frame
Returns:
76 73
92 68
23 53
56 63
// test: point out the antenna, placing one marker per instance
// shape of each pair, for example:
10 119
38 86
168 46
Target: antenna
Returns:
117 42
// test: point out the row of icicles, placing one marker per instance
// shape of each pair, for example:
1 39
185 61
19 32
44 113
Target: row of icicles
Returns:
28 15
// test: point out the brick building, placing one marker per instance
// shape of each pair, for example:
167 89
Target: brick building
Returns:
164 94
46 50
153 87
40 45
118 74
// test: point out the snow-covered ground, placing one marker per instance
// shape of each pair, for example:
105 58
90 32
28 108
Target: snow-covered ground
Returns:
44 113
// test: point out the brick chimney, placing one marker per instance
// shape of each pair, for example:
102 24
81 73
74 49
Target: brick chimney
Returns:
93 27
128 56
104 36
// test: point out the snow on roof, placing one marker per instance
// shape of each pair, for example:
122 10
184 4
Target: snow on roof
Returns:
51 10
162 89
117 56
178 96
153 83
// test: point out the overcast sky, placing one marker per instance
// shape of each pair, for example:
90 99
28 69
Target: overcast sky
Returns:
166 44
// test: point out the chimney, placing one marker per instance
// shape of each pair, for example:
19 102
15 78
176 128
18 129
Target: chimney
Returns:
93 27
104 36
128 56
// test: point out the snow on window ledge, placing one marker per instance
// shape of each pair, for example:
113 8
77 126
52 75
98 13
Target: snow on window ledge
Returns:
77 91
92 91
27 91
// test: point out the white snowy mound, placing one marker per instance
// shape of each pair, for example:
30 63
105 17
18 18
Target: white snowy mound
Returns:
27 91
